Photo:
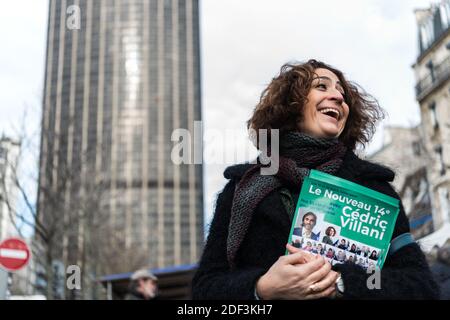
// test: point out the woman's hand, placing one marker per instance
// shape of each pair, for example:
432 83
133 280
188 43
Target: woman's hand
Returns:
307 256
299 275
320 285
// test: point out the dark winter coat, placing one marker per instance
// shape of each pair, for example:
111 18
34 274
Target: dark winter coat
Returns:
405 275
441 273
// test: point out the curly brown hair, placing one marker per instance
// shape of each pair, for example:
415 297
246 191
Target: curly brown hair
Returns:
281 103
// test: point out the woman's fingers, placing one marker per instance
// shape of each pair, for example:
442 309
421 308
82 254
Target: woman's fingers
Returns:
294 258
291 277
307 256
325 283
329 292
320 273
291 249
311 267
318 278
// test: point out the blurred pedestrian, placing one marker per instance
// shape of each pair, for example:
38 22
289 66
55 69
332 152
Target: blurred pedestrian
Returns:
143 286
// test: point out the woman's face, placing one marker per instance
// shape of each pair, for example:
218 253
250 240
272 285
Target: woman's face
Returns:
325 113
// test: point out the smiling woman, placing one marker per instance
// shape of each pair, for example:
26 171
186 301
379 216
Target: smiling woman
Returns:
321 118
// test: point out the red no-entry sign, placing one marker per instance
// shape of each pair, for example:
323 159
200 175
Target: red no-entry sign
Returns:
14 254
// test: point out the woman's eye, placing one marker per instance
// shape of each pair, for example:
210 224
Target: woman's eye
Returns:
322 86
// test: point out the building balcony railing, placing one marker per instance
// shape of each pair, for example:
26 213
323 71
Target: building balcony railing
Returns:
438 75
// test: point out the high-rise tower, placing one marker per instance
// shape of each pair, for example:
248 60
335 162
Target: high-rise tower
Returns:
116 86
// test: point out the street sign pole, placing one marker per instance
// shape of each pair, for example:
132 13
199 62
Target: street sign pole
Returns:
3 283
14 255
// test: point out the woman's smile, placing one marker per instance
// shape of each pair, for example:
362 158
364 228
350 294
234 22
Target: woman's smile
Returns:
325 112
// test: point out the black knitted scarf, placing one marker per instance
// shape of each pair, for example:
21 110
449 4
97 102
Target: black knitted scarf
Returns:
298 153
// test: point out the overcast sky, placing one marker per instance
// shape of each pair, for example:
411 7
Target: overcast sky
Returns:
244 43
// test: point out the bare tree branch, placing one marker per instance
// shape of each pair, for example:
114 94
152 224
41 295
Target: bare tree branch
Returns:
5 198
